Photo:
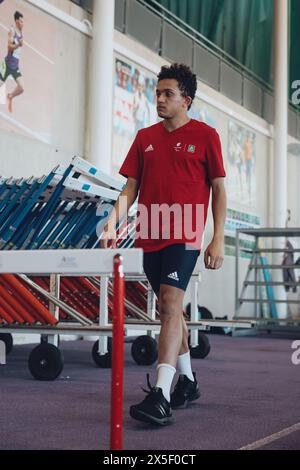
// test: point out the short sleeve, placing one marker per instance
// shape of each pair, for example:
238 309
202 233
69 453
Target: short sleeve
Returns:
214 158
133 164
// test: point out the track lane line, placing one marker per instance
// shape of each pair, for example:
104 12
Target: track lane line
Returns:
272 438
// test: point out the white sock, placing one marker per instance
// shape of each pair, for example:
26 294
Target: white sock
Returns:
165 377
184 365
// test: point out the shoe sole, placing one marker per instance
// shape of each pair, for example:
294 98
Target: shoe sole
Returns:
186 403
146 418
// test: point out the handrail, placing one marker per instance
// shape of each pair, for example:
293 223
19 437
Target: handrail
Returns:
200 39
211 47
203 41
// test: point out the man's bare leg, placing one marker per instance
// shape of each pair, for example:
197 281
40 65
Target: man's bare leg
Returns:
184 365
170 338
184 348
17 92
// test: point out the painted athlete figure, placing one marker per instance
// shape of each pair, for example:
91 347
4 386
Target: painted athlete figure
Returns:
177 161
10 65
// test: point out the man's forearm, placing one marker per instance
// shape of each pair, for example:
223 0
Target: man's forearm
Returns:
219 207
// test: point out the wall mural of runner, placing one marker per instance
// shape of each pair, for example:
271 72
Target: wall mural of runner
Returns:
242 164
134 106
27 61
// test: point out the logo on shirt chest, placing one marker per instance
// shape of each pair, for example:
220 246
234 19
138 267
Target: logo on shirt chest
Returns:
150 148
180 147
191 149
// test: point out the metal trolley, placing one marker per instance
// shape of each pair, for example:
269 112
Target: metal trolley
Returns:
46 360
48 219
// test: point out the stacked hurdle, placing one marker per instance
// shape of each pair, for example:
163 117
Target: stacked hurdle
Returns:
56 211
62 211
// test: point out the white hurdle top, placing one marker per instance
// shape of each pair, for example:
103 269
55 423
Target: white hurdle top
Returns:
70 262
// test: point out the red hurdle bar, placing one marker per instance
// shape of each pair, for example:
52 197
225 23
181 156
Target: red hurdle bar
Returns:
116 427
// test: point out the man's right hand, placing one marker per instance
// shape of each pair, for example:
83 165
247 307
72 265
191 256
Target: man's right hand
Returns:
109 234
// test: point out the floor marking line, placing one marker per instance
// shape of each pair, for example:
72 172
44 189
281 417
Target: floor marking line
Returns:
272 437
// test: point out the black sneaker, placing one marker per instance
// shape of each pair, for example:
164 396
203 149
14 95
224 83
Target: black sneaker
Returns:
184 392
154 409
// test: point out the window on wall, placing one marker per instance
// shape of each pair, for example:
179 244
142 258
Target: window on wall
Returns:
86 4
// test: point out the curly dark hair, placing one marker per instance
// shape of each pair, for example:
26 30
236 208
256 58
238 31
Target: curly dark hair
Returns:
187 80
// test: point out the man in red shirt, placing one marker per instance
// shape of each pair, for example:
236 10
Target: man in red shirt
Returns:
173 165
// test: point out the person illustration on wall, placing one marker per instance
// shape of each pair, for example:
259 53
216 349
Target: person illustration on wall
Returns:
248 162
10 65
239 161
141 109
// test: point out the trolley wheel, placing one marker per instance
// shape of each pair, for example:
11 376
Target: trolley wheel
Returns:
102 360
46 362
144 350
203 348
8 340
203 312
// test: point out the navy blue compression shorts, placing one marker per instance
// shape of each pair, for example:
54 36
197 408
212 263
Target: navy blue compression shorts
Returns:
172 265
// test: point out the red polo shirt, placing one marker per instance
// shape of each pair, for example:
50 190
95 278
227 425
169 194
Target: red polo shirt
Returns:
174 167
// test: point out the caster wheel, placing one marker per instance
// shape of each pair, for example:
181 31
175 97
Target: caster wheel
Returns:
144 350
8 340
102 360
203 348
45 362
203 312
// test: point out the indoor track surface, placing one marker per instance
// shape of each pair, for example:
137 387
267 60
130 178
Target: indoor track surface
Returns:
250 397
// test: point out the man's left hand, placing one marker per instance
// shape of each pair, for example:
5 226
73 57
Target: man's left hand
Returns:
214 254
